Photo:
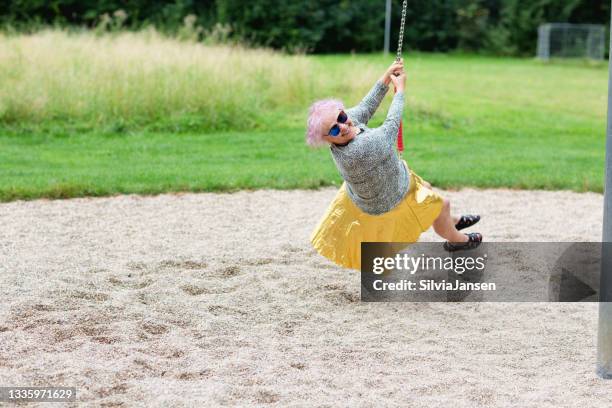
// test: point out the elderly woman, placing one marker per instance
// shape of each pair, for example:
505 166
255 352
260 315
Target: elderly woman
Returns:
381 199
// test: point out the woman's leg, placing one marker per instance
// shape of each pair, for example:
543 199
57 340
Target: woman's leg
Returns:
454 217
444 225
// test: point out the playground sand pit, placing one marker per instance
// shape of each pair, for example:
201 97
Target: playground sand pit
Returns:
218 299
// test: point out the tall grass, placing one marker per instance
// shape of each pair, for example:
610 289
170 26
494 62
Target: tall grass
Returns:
145 78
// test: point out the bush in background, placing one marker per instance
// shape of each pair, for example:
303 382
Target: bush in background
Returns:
507 27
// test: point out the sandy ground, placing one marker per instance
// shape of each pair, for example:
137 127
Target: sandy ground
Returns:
218 299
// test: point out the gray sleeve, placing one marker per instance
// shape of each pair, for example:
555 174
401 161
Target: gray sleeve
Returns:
390 126
368 105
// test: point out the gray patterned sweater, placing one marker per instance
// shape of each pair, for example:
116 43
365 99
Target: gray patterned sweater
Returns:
376 178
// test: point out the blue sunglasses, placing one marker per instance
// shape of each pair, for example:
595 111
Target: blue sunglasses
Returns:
335 130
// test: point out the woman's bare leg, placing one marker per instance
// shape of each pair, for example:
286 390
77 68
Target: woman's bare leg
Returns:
444 225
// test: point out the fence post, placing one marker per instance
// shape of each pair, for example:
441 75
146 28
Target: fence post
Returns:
387 26
604 336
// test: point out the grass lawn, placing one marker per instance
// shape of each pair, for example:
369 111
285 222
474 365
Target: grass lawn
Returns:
469 121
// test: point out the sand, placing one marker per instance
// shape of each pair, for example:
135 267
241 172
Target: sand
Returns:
218 299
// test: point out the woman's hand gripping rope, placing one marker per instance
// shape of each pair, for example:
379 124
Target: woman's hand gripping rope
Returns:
394 69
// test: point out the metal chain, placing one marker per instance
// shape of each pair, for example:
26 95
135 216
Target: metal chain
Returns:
401 33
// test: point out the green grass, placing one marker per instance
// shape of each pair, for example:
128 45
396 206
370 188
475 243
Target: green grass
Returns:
469 121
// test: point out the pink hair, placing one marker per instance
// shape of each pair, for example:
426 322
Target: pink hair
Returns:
316 115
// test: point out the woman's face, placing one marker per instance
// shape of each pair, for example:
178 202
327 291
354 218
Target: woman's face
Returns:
347 129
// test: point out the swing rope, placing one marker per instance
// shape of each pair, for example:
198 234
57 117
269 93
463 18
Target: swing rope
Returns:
398 57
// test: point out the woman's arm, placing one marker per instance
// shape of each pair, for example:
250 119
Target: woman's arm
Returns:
390 126
370 103
392 123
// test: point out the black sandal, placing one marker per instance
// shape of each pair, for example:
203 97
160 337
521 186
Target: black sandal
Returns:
474 239
467 221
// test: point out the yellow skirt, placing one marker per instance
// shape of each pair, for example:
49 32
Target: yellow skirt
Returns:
343 228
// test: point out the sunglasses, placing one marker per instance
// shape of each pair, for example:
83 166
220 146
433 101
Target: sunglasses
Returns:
335 130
